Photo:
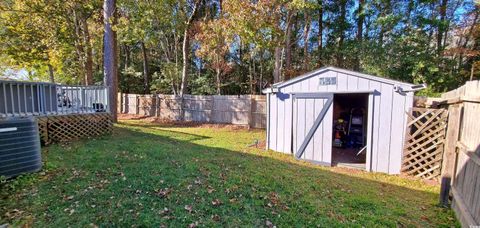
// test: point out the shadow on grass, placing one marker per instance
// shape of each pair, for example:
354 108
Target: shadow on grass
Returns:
147 176
180 124
191 137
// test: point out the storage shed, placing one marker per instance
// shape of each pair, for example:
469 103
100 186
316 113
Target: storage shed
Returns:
333 116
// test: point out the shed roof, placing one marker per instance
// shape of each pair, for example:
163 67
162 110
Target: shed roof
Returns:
339 70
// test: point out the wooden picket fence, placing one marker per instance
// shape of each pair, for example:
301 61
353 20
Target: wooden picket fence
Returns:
424 142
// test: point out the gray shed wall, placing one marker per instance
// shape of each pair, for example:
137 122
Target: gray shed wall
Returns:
388 122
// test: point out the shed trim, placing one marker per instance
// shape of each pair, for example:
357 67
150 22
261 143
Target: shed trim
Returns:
268 123
279 85
333 92
314 161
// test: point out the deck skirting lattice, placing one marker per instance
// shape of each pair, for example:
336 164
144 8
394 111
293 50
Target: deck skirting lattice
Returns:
64 128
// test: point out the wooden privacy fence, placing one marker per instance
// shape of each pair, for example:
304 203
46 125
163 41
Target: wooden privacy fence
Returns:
461 160
242 109
423 150
444 143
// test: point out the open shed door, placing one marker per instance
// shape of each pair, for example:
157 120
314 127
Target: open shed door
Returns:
312 127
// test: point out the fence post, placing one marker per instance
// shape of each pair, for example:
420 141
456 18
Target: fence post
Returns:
182 109
250 113
212 110
120 100
137 104
449 153
157 105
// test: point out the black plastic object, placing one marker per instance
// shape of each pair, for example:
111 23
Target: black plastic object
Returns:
19 147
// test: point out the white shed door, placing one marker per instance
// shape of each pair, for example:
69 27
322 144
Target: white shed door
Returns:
312 127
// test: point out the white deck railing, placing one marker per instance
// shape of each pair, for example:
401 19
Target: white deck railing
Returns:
38 98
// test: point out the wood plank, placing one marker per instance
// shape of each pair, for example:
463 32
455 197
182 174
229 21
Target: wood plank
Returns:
327 140
475 208
397 129
469 184
466 218
422 174
471 154
309 120
318 137
377 99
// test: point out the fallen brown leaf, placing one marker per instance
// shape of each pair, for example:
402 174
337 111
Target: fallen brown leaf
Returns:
216 202
216 218
188 208
165 211
210 189
163 192
269 224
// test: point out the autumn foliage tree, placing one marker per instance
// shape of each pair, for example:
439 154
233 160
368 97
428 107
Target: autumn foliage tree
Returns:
215 43
238 46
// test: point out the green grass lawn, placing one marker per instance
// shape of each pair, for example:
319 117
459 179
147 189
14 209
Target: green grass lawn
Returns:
152 175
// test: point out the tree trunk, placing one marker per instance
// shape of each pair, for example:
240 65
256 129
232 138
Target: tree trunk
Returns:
320 25
126 64
261 71
361 18
88 54
441 26
320 30
410 8
79 49
127 58
110 55
218 74
342 21
288 40
50 72
471 71
386 10
276 69
186 48
146 75
306 33
252 78
175 86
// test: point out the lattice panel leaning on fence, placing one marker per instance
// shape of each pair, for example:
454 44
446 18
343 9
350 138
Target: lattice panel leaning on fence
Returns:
423 151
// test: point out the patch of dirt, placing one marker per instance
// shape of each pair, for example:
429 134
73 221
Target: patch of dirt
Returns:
170 123
259 144
432 182
132 117
346 170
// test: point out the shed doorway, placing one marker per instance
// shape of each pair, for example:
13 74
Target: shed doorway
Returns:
350 117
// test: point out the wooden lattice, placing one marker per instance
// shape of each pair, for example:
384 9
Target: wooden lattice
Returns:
423 151
43 129
64 128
